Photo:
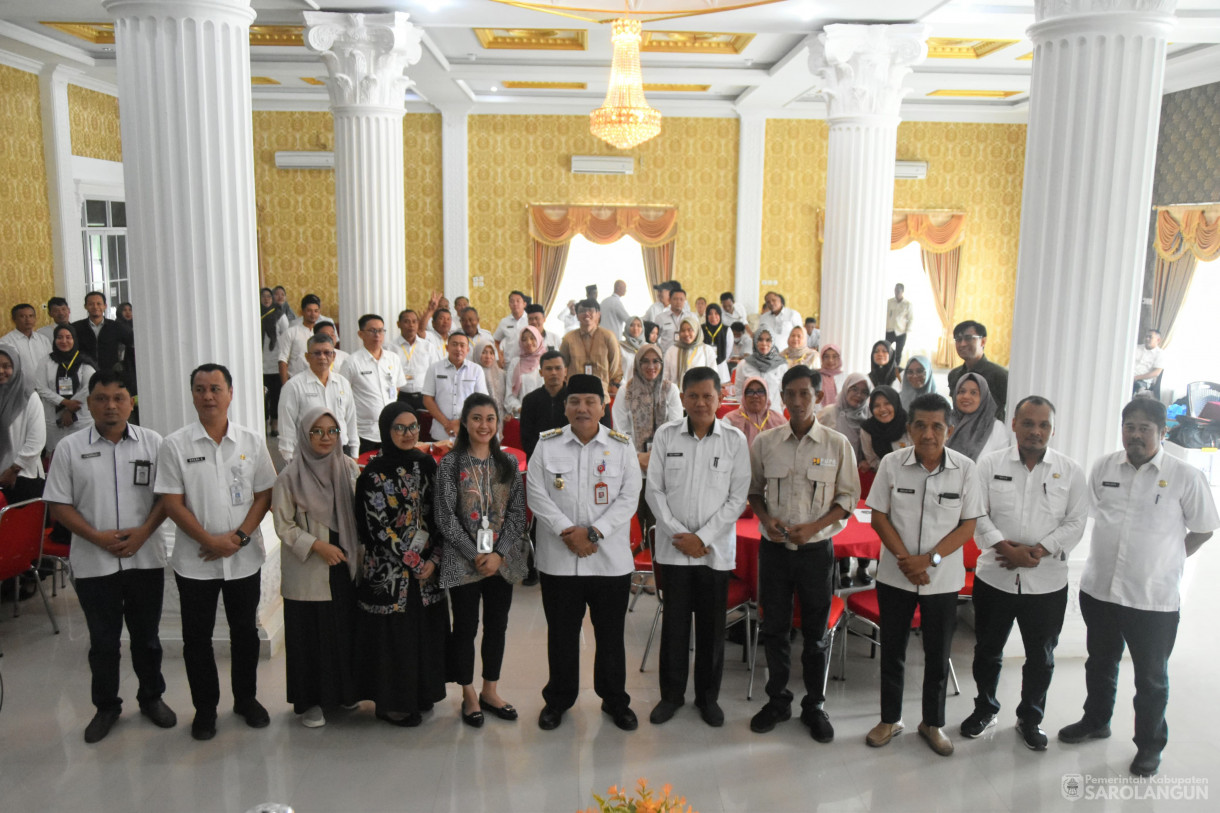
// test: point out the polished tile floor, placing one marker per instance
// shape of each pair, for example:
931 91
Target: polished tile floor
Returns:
356 763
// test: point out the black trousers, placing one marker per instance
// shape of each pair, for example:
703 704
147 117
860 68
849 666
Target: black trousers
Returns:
132 597
938 620
271 395
24 488
703 592
368 446
807 573
415 400
199 619
1151 637
1039 616
897 341
497 597
564 599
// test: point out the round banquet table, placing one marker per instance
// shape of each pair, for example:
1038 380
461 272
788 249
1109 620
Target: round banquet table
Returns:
858 539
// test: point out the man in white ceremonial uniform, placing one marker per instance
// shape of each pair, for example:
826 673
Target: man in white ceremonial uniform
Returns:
584 487
418 354
215 480
1037 506
698 481
448 384
507 334
375 376
1150 512
100 487
318 386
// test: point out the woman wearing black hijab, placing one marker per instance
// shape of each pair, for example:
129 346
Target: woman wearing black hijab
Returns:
271 316
63 385
884 370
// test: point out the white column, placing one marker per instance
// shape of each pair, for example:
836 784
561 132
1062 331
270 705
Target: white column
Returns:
1095 104
188 158
751 160
366 55
454 161
67 247
861 68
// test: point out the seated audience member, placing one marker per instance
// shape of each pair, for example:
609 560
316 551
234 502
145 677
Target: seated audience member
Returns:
743 345
970 338
375 376
536 316
849 411
776 317
63 386
798 351
766 363
648 400
917 380
975 431
755 413
688 350
813 336
543 409
447 386
729 311
1149 361
884 370
328 329
885 430
523 374
318 386
418 354
23 432
832 372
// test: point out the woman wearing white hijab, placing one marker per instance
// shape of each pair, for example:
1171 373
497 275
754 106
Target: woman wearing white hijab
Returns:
23 432
688 351
645 402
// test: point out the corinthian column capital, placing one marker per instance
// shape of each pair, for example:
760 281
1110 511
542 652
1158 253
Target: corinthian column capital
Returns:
862 67
365 55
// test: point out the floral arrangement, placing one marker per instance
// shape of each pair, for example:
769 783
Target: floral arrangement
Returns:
644 800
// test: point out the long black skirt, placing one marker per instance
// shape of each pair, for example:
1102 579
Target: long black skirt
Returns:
401 656
318 642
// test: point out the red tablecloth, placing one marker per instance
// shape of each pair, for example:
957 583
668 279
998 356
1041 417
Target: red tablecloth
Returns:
857 539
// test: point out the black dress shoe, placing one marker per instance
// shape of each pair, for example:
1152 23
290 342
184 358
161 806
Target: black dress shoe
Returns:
844 580
505 712
623 717
819 725
768 716
663 712
161 715
203 728
256 716
711 713
863 578
1146 763
550 718
100 725
405 721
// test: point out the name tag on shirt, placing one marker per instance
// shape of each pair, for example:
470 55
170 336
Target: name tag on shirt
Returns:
91 454
950 496
236 495
442 376
906 491
366 372
675 454
64 386
588 369
1004 478
195 459
142 475
1110 484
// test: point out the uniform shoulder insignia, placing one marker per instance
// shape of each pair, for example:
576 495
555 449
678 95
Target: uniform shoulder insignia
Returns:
550 433
619 436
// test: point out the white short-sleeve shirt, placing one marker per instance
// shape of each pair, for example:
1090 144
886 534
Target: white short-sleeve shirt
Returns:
374 383
304 390
417 357
450 386
508 334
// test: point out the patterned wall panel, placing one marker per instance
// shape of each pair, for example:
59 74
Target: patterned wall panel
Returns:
296 208
93 120
26 264
1188 148
518 160
975 167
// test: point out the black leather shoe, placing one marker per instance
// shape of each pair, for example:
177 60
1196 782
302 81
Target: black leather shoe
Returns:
161 715
474 719
844 580
711 713
863 578
256 716
550 718
623 717
505 712
768 717
663 712
1146 763
1032 734
405 721
203 728
100 725
1081 731
819 725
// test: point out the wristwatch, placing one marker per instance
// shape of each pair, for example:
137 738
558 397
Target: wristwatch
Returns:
594 536
934 558
242 537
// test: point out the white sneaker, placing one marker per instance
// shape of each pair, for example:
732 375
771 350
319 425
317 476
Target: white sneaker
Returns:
313 718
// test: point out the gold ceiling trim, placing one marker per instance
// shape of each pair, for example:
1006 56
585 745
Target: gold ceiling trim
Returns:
673 88
1027 57
580 12
532 39
103 33
313 80
515 85
977 94
695 42
263 80
956 48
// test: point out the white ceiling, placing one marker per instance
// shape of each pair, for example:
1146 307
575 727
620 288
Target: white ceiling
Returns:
770 77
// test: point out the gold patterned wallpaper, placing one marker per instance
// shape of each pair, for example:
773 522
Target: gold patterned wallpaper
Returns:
26 264
977 168
296 208
93 121
518 160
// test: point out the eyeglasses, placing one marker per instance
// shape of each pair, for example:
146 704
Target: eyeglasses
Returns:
321 433
322 354
374 331
756 392
399 429
966 338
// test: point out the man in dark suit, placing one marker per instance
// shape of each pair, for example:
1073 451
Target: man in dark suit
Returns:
541 410
100 337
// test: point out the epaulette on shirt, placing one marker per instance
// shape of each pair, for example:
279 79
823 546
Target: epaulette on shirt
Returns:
551 433
619 436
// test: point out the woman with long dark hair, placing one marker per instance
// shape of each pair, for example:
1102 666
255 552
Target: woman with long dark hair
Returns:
272 320
479 513
63 386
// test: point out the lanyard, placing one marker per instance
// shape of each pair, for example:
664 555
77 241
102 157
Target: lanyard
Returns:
68 367
719 328
268 313
758 426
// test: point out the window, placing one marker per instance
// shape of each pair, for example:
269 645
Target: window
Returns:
593 264
906 266
104 231
1192 356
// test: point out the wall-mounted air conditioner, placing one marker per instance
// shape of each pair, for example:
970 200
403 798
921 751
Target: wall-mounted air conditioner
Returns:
312 159
910 170
603 165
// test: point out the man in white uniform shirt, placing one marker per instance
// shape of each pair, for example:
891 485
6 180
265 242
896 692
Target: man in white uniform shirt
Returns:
670 320
418 354
1150 512
899 316
1037 506
328 329
61 314
926 500
448 384
729 312
294 340
584 487
375 376
698 479
1149 361
477 336
536 316
438 332
661 292
614 313
508 332
30 345
215 480
778 318
100 487
318 386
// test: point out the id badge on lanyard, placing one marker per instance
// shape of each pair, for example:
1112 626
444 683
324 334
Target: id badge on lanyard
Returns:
237 494
63 385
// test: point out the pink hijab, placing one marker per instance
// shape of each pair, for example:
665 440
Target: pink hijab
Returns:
527 362
830 392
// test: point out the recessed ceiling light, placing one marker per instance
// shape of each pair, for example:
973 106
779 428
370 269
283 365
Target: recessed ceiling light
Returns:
493 88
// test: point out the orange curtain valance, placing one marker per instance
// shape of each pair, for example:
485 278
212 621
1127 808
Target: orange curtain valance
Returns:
650 227
936 232
1181 229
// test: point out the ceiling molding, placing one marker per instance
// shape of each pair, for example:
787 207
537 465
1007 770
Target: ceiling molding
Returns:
21 63
532 39
45 44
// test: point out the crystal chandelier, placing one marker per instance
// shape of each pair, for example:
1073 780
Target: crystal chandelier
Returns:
625 120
